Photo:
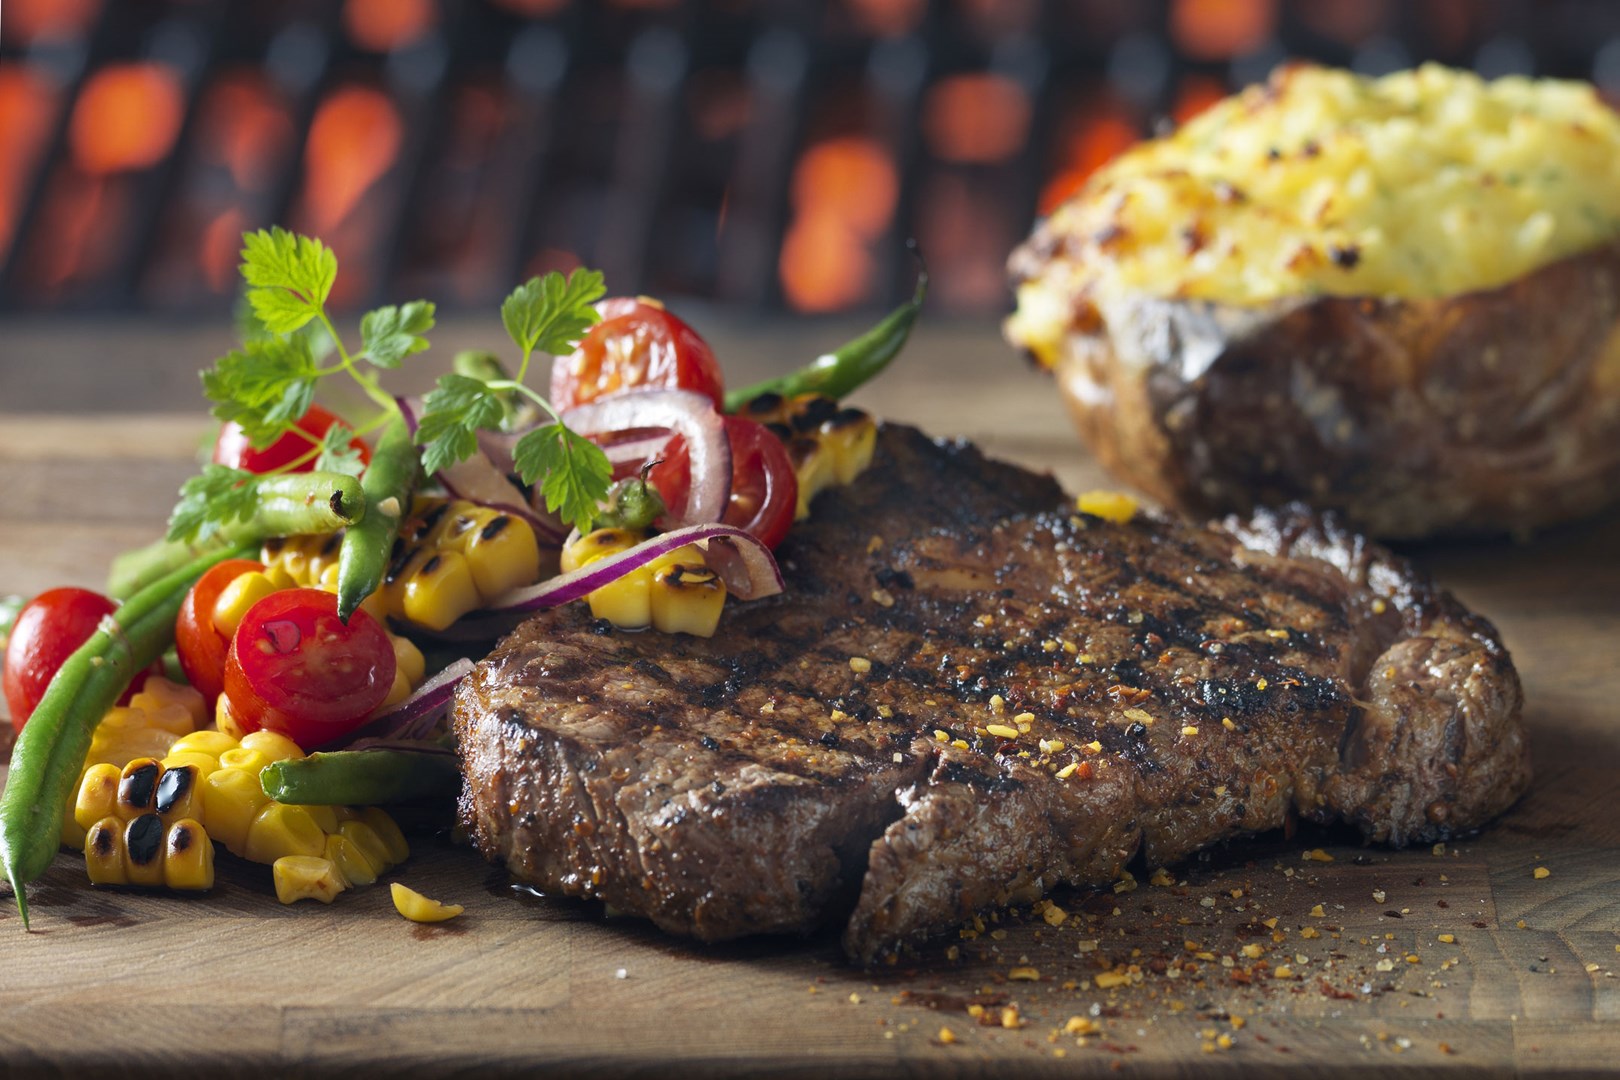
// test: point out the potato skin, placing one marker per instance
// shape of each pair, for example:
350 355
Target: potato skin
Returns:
1488 412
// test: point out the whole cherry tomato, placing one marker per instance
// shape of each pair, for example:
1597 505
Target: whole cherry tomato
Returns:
202 648
48 630
233 448
295 668
764 487
637 346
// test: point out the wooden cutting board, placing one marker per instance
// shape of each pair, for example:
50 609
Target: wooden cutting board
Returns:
234 981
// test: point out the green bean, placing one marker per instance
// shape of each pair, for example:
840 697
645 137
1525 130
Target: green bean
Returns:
838 373
362 778
388 483
132 571
50 749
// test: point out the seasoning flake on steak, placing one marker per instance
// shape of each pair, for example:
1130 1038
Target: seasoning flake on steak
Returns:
969 694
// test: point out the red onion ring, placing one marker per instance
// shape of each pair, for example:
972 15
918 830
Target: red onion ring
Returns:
414 717
686 413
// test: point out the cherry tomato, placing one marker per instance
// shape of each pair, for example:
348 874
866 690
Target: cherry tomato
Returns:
636 346
295 668
764 488
233 448
48 630
201 647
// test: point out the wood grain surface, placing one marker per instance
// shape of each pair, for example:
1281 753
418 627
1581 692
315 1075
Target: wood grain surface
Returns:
138 984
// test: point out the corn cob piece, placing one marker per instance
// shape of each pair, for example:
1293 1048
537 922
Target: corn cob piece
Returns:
675 593
829 445
143 851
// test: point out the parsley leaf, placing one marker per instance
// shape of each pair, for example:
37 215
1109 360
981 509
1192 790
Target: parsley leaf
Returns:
289 277
451 416
393 333
216 497
550 313
264 386
572 471
337 455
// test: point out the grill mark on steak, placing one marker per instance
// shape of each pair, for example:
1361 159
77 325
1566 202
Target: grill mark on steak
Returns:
756 782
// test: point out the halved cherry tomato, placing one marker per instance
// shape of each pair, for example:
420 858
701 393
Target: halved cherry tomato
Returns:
201 647
636 346
764 487
233 448
295 668
48 630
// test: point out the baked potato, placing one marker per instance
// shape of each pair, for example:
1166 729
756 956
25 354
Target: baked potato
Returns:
1396 298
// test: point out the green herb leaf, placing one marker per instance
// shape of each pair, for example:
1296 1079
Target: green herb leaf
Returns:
337 455
573 472
552 313
451 417
289 277
217 497
393 333
265 386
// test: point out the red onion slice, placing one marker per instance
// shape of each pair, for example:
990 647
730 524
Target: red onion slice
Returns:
689 415
416 716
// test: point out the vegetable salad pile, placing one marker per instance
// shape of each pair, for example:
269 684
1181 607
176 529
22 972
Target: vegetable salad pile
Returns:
260 677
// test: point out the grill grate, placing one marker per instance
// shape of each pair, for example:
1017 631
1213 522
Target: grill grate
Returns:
764 155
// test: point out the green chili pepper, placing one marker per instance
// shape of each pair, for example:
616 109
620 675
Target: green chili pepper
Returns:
632 504
362 778
838 373
50 749
388 483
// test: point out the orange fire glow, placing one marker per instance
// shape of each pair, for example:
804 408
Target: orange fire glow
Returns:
532 9
27 109
244 127
383 25
844 194
353 140
127 117
218 252
887 18
1093 145
28 21
976 118
1221 29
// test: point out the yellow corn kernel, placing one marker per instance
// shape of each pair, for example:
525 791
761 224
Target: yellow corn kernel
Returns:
279 576
120 747
227 723
273 745
232 799
418 908
203 763
104 852
98 794
161 693
851 441
597 544
212 743
72 832
244 757
137 788
306 877
365 840
324 551
813 467
326 818
408 658
686 599
440 591
388 832
503 555
351 861
286 561
240 594
188 857
376 605
1113 506
179 793
626 602
281 830
398 691
143 851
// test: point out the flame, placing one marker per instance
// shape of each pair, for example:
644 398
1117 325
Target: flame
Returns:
353 141
976 118
844 195
385 25
68 240
27 109
825 265
28 21
1197 93
244 127
219 249
966 234
1092 146
127 117
1221 29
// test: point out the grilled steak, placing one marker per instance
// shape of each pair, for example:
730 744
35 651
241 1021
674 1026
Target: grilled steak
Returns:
970 694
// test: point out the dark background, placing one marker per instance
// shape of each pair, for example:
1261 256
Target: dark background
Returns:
764 156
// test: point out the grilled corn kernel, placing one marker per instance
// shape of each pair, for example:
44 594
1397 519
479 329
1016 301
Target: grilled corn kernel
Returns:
440 591
418 908
179 793
232 799
325 817
813 467
503 555
104 852
279 576
273 745
626 602
306 877
280 829
160 693
365 840
597 544
408 658
203 763
351 862
1112 506
240 594
226 721
398 691
143 851
244 757
851 436
687 599
388 832
212 743
98 794
328 579
137 788
188 857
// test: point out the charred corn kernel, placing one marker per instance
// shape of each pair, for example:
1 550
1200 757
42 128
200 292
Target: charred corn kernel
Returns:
212 743
418 908
597 544
273 745
440 591
143 851
137 788
240 594
104 852
827 444
388 832
281 829
365 840
244 757
203 763
503 555
188 857
306 877
232 799
687 599
351 862
1113 506
179 794
813 468
98 794
408 658
161 693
